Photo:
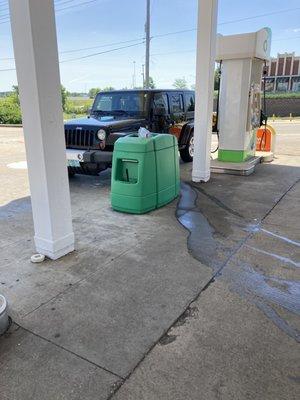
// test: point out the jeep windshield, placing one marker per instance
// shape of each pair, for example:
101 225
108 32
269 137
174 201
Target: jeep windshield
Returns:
133 104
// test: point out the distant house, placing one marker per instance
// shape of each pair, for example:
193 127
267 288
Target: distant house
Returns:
283 73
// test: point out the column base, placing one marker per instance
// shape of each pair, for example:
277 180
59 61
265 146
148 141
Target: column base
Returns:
235 155
234 168
55 249
200 176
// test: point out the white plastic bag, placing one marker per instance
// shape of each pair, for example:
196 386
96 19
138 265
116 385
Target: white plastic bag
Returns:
144 133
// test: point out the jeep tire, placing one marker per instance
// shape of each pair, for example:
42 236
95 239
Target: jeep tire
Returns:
187 153
71 173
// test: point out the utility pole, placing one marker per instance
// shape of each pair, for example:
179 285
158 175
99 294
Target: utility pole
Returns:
147 58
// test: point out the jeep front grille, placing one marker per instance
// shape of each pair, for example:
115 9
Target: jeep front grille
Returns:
79 138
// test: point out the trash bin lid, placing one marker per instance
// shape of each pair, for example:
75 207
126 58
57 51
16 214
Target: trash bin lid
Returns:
134 144
164 141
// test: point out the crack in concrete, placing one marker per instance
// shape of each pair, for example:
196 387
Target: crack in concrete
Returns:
280 198
75 284
69 351
218 202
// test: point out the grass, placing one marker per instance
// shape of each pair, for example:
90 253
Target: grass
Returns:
78 106
80 102
72 116
283 95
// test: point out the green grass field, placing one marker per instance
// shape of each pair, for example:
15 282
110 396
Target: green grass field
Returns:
283 95
76 108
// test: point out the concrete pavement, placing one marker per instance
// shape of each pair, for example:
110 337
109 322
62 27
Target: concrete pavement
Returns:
150 307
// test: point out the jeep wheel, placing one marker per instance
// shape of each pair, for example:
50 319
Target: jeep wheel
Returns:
71 173
187 153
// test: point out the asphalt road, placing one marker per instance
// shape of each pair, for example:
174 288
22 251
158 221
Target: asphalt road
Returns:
287 138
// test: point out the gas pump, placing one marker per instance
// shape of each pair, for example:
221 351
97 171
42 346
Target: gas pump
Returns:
242 60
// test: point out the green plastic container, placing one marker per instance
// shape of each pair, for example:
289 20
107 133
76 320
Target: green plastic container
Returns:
145 173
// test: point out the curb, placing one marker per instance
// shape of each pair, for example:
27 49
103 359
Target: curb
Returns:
11 126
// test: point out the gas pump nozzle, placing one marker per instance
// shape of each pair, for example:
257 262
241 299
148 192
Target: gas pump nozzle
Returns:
263 118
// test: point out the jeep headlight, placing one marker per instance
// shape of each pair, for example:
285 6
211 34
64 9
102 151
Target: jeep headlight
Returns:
101 134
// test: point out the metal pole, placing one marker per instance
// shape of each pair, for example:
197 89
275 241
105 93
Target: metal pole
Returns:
147 58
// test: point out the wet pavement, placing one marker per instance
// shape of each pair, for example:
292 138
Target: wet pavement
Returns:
260 265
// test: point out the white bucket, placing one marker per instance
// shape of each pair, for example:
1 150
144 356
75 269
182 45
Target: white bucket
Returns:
4 321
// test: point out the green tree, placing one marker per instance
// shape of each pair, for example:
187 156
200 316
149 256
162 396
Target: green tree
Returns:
64 97
217 78
108 89
15 94
10 112
16 98
93 92
180 83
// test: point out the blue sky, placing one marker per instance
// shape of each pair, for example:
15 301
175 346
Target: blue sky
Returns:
106 22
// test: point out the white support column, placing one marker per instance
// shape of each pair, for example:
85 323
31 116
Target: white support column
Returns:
205 66
35 49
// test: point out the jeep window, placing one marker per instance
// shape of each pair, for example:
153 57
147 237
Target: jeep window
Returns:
190 102
115 103
160 100
177 103
104 103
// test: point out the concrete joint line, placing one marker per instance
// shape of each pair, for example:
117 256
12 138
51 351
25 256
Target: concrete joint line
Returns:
69 351
279 200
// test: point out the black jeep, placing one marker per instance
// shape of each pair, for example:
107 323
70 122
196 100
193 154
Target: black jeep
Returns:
90 141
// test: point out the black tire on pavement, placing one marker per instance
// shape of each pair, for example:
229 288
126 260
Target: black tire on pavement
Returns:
187 153
71 173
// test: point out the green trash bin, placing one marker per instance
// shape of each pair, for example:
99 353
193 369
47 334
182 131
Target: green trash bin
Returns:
167 168
145 173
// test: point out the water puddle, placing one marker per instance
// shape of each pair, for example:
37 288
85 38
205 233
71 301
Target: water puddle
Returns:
218 234
211 240
277 256
285 239
18 206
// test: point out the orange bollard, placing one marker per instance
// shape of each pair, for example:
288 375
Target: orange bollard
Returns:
264 139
